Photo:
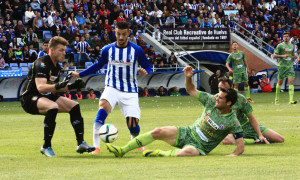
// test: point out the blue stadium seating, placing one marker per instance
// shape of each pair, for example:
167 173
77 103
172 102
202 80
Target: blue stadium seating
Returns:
14 65
47 35
25 69
88 64
29 65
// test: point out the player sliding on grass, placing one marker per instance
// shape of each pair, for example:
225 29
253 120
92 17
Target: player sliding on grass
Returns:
285 51
252 131
239 69
122 59
215 123
39 95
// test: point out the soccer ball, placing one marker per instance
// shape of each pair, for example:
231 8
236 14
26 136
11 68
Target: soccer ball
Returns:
108 133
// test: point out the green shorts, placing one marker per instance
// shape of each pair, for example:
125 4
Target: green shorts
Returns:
250 133
185 137
284 72
240 77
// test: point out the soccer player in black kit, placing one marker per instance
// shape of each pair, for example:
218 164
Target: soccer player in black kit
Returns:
39 96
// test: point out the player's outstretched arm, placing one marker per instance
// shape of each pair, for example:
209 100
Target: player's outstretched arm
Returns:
189 85
255 126
240 147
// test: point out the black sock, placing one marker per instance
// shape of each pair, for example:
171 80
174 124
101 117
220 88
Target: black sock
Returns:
77 123
49 126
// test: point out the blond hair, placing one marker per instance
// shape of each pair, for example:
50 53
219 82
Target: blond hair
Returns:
57 40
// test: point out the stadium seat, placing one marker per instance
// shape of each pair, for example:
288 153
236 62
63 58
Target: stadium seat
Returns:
61 65
81 31
47 35
14 65
157 53
88 64
69 50
29 65
97 94
148 46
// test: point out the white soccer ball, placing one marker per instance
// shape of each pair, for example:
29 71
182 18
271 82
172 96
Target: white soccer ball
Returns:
108 133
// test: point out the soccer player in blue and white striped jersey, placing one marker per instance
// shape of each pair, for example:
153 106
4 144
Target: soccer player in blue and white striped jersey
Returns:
44 52
122 59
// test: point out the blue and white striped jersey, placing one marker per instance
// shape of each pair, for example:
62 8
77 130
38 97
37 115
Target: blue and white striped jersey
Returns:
82 46
122 66
42 53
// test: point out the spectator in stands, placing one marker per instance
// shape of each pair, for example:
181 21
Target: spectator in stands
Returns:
68 36
295 31
35 44
95 55
189 24
81 20
44 51
26 54
28 38
65 68
219 24
71 66
269 48
7 8
139 20
253 82
10 56
20 30
161 91
2 62
175 92
132 39
170 21
183 18
14 44
105 41
121 17
69 6
91 94
38 24
29 16
265 84
19 55
79 95
161 66
250 40
145 92
213 82
205 24
35 5
32 53
82 49
55 27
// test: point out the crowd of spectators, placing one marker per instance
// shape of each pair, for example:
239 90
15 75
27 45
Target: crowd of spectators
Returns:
94 21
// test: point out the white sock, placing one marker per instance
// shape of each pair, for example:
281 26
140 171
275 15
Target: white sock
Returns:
96 137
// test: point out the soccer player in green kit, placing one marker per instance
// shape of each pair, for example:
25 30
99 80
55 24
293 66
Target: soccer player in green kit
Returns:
215 123
285 51
252 131
239 69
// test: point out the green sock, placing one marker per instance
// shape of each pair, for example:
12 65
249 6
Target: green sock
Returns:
247 92
278 88
139 141
249 141
291 92
236 89
169 153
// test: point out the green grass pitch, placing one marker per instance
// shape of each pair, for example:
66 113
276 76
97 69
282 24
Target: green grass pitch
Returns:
21 137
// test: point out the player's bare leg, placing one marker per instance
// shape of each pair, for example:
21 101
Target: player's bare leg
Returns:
273 136
229 140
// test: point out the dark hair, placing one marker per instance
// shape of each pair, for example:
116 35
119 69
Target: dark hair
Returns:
231 95
286 33
122 25
225 80
45 42
234 42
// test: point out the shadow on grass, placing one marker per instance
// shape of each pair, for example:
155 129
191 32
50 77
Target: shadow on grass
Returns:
95 157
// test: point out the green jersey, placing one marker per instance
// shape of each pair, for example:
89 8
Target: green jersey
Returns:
211 128
238 62
283 49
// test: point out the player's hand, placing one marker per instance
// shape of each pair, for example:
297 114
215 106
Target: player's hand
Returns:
263 139
188 71
230 71
75 74
142 72
78 84
65 81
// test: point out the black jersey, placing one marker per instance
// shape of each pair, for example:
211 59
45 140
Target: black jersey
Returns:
41 68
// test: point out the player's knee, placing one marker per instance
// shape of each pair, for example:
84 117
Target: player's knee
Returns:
52 106
157 133
188 152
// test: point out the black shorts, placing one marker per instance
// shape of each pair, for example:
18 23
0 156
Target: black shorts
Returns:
29 102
